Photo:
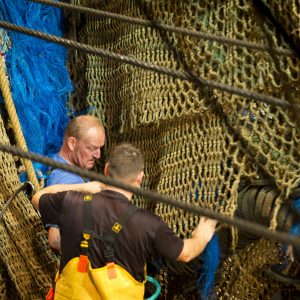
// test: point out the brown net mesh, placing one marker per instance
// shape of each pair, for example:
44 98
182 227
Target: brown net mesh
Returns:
3 282
283 11
243 275
24 250
198 143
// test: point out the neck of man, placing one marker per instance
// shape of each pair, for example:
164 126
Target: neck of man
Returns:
65 154
127 194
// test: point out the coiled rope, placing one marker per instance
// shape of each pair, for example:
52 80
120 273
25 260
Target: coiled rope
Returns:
154 196
16 126
183 75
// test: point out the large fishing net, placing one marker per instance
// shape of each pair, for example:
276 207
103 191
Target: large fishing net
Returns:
27 263
200 143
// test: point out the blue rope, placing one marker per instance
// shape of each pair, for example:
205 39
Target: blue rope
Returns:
39 78
210 258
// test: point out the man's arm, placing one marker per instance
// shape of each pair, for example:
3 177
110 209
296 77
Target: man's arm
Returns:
54 238
87 188
195 245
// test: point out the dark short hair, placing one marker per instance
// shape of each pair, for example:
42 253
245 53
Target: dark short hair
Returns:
77 126
125 162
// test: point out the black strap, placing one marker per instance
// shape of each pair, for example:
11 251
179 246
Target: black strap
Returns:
87 213
87 224
118 226
109 251
109 237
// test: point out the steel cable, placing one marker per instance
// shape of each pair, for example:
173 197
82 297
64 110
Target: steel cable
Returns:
165 27
183 75
154 196
28 189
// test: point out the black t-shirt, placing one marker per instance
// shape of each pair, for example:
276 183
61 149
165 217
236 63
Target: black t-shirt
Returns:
143 236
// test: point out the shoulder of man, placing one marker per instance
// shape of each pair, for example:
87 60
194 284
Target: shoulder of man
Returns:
72 198
148 218
59 176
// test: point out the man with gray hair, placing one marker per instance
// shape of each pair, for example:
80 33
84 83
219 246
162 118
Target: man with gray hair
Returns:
83 139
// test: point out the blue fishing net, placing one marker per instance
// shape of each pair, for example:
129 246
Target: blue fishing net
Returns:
211 259
38 74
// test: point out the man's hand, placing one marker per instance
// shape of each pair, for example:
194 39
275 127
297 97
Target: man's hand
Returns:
205 229
92 187
86 188
195 245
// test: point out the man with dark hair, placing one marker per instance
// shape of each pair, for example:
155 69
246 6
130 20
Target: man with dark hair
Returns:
84 137
144 235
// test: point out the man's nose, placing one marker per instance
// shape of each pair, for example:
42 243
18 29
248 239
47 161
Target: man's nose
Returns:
97 153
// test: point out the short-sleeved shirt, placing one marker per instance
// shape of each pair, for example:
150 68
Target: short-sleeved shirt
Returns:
145 235
58 176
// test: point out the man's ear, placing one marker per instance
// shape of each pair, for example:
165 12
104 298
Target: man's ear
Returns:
139 178
106 169
71 143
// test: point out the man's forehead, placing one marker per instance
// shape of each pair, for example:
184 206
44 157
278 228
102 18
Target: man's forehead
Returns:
93 140
92 133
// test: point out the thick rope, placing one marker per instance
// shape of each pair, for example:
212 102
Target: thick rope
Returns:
170 28
154 196
16 126
183 75
273 222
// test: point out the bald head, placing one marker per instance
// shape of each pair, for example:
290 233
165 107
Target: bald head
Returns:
83 138
79 125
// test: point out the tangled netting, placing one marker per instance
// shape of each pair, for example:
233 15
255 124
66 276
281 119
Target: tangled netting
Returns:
38 74
26 262
198 143
40 84
248 266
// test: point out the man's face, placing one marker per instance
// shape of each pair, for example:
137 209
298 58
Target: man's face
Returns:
88 149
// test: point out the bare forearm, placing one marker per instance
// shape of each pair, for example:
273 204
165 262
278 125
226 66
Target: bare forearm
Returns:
89 188
53 189
54 238
192 248
200 237
80 187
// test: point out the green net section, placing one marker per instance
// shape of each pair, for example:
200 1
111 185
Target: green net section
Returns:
198 143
